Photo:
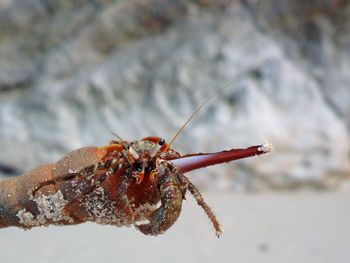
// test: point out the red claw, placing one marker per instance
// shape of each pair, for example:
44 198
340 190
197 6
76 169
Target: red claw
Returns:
190 162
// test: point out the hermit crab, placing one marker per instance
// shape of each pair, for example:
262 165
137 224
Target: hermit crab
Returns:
140 183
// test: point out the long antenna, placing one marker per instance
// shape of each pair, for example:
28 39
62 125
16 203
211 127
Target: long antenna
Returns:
198 109
116 135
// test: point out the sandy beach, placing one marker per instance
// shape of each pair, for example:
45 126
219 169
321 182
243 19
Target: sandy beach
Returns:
283 227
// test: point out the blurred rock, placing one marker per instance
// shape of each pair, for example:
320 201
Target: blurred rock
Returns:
317 35
72 73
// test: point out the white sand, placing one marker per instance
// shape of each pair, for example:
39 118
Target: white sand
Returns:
299 227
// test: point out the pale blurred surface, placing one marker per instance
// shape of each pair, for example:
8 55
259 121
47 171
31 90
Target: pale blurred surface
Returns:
272 228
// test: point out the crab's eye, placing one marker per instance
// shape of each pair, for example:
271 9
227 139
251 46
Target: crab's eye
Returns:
161 141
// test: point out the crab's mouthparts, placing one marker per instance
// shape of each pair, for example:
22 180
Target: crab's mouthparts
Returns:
190 162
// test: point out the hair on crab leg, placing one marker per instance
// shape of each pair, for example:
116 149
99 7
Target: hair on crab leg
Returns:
191 162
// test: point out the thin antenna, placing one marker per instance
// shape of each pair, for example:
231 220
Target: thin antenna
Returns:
116 135
199 108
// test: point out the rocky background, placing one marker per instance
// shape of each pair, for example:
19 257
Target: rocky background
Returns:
71 72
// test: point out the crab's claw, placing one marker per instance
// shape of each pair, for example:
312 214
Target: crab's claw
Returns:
190 162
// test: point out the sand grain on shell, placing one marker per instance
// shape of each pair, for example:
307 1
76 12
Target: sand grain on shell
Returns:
50 210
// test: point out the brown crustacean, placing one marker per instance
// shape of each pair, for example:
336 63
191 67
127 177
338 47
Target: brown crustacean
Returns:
140 183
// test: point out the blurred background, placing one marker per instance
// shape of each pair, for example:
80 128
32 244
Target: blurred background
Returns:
72 72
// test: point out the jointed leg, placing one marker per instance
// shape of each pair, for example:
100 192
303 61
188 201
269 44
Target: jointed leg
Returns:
171 198
200 201
89 184
124 203
87 171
